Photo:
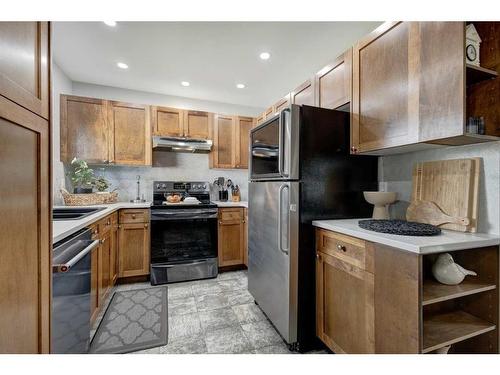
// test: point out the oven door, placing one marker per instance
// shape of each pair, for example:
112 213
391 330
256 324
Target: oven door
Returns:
274 147
180 235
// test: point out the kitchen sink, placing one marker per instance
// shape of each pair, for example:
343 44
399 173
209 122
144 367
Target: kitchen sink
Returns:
74 213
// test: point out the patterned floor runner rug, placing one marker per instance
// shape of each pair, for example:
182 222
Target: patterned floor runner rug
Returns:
134 320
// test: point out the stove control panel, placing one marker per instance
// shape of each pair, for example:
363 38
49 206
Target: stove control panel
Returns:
171 186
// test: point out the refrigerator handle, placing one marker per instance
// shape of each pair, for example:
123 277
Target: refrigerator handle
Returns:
285 134
280 237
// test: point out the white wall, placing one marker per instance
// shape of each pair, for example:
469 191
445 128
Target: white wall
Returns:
141 97
166 166
395 174
61 84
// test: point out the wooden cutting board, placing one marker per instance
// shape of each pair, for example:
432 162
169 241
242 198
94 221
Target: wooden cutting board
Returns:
453 186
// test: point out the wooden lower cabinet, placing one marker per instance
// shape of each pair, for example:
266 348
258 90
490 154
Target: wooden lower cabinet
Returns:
372 298
134 241
344 306
231 237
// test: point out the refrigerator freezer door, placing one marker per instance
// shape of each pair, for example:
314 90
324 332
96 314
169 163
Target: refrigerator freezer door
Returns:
273 252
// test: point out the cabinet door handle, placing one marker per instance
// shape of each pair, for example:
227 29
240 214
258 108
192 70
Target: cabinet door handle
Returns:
341 248
133 216
145 225
103 240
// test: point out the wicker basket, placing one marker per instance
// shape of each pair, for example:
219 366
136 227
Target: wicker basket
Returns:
88 199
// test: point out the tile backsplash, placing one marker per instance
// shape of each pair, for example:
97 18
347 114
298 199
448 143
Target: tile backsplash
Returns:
168 166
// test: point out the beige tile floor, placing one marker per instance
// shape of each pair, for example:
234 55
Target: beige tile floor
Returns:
213 316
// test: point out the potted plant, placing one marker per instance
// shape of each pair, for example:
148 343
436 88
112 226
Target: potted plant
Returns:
82 177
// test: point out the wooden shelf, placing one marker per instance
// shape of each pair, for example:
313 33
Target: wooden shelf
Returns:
476 74
446 329
435 292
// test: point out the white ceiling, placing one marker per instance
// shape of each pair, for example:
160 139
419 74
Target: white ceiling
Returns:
212 56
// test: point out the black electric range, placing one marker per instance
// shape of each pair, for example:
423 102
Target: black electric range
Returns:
183 236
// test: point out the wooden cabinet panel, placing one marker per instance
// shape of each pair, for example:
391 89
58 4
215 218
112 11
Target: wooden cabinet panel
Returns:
167 122
304 94
345 306
113 259
245 233
260 119
104 267
84 129
130 134
94 285
243 127
382 82
268 112
441 79
231 237
281 104
24 65
130 216
25 206
198 124
334 82
224 148
134 249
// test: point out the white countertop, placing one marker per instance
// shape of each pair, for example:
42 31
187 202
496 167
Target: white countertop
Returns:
448 240
231 204
64 228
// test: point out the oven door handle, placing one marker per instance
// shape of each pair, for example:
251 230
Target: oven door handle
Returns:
165 216
65 267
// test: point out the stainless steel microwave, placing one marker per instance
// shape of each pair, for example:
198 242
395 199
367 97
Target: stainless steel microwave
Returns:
274 147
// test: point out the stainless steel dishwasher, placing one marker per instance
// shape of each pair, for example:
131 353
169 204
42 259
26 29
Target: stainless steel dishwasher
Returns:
71 269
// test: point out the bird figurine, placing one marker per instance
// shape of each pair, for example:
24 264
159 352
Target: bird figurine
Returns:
446 271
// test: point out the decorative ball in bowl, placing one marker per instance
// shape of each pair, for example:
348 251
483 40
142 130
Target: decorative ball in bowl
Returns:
381 201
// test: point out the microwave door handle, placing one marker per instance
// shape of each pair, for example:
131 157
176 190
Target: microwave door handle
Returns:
280 226
284 132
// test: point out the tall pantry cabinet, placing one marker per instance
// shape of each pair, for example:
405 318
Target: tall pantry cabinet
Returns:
25 186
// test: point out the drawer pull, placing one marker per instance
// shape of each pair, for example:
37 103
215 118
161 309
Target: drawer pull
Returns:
341 248
103 240
145 225
133 216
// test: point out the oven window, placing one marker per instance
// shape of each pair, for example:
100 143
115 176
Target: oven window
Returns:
181 240
265 150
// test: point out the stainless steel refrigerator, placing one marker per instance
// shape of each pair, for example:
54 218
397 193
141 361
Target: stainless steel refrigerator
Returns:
300 170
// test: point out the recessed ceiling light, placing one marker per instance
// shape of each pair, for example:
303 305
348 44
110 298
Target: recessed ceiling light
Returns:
240 86
185 83
122 65
110 23
265 55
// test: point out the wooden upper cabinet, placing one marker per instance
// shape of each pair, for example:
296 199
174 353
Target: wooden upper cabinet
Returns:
408 85
84 129
224 147
243 127
281 104
25 206
198 124
269 112
382 82
334 82
130 134
304 94
24 65
168 122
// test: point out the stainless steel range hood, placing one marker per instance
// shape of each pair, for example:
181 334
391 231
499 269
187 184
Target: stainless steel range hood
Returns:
174 144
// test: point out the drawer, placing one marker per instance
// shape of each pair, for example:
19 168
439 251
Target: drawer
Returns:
105 225
230 214
346 248
95 230
130 216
